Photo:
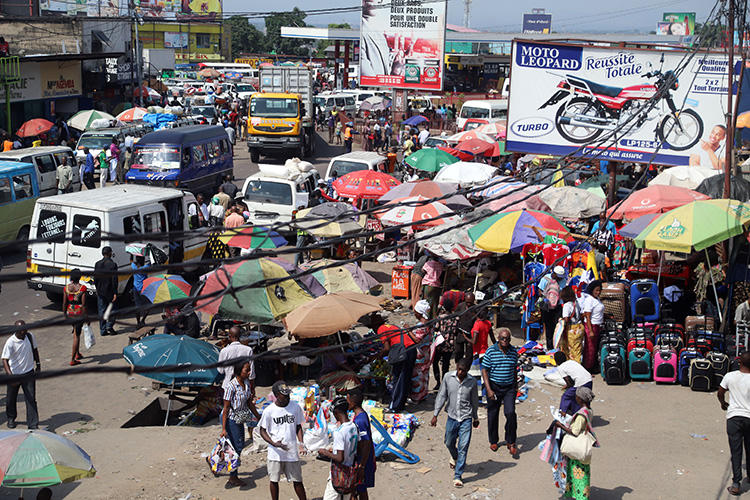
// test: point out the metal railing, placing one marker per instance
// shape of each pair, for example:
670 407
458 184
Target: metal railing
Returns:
10 69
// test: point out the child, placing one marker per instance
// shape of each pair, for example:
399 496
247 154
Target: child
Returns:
344 445
338 132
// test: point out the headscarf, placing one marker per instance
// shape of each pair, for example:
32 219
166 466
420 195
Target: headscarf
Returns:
590 288
585 394
422 308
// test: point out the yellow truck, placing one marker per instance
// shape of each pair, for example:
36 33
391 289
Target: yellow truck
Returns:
280 119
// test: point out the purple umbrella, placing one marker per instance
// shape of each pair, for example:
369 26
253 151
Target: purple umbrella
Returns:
637 226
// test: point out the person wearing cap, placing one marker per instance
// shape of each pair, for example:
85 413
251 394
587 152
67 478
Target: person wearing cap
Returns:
365 449
216 212
550 286
499 367
344 450
423 338
459 394
281 427
579 473
238 398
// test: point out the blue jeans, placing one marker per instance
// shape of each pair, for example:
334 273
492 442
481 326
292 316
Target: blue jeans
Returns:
402 375
104 326
461 432
236 436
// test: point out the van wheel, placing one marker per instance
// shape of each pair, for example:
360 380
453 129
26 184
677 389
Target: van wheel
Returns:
23 234
254 156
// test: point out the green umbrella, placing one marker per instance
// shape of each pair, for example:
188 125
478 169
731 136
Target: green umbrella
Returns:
430 159
83 119
501 145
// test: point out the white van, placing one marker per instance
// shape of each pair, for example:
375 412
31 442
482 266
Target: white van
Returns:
74 226
272 196
46 159
490 110
356 160
339 100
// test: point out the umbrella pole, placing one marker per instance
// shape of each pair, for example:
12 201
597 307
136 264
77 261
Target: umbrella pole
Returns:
169 403
658 276
716 295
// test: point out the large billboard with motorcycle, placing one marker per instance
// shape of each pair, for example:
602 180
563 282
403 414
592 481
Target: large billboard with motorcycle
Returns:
564 96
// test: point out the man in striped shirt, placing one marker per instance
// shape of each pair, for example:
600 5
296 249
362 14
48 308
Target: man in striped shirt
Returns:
499 377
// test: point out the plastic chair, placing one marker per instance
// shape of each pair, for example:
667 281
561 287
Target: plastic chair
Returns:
388 444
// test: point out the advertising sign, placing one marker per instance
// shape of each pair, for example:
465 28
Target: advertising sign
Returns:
402 44
167 9
59 79
201 8
564 96
680 23
70 7
537 23
174 40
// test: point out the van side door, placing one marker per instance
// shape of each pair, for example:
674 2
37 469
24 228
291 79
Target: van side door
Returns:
50 229
154 217
46 169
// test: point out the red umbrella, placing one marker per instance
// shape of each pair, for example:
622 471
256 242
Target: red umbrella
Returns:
458 154
654 199
514 200
35 127
479 147
364 184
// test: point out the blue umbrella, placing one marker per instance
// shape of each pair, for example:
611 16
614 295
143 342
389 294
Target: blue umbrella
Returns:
637 226
415 120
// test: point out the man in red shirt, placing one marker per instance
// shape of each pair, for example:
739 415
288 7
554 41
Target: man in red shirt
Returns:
480 332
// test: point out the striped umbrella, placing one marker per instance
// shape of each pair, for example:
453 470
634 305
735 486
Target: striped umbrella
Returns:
405 214
132 114
165 287
342 216
510 231
36 459
83 119
252 237
501 184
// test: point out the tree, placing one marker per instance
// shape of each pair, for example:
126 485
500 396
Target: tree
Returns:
710 35
245 37
278 45
323 44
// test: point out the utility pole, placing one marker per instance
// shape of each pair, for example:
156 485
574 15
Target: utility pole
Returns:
137 45
729 153
467 12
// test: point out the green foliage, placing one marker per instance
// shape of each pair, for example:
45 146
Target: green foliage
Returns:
322 44
274 42
245 37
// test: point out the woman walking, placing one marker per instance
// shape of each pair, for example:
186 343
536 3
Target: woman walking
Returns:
74 308
593 320
571 342
138 265
578 484
237 402
421 373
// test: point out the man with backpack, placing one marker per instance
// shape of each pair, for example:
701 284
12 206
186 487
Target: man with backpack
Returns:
343 478
737 384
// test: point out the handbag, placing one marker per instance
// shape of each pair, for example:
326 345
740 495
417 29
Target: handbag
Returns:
397 352
344 478
579 447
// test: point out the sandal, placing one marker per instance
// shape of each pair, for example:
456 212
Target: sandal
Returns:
74 362
452 463
458 483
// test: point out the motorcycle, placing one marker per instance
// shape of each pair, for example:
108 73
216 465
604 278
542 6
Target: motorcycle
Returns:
595 108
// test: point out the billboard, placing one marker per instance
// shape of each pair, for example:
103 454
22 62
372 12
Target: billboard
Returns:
70 7
175 40
566 96
537 23
200 9
167 9
402 44
679 23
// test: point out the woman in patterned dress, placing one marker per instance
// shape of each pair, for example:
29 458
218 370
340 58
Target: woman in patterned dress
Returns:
578 484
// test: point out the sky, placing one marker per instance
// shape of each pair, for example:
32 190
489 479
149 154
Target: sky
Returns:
569 16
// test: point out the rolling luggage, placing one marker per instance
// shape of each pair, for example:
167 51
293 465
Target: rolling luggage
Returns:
720 364
669 328
738 343
614 296
639 363
665 365
706 341
644 300
669 339
699 323
701 375
686 356
612 364
640 339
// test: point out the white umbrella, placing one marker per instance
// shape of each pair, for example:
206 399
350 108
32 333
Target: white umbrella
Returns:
454 244
572 202
471 134
683 176
466 173
83 119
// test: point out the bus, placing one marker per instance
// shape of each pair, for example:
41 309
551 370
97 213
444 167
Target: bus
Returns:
244 69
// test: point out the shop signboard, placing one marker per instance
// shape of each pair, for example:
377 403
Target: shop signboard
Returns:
568 98
537 23
165 9
28 87
70 7
60 79
402 44
175 40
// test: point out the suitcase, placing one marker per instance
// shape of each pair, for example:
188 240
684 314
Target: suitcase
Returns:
720 364
669 339
614 296
699 323
669 328
701 375
686 356
665 365
739 341
612 338
640 340
706 341
644 300
639 363
612 364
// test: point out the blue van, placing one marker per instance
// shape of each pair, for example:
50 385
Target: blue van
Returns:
19 190
193 158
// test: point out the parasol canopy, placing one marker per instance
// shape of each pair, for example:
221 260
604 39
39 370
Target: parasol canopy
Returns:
430 159
34 127
654 199
83 119
466 173
510 231
170 350
364 184
572 203
330 313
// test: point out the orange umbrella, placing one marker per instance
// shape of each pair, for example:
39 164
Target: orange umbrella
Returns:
35 127
209 73
364 184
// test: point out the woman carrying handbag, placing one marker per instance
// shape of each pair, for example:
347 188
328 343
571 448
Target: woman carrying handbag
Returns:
74 308
572 339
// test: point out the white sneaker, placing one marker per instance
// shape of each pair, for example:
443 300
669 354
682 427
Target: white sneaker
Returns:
458 483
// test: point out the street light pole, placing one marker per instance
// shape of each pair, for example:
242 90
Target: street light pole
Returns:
729 153
138 65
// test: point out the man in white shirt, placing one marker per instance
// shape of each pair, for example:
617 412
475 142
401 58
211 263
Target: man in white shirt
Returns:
742 313
575 376
281 427
21 357
737 384
236 350
344 451
424 134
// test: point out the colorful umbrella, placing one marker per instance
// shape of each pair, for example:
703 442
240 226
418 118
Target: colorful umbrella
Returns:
252 237
427 189
83 119
330 313
36 459
344 220
510 231
132 114
364 184
572 202
471 135
636 227
430 159
653 199
455 152
165 287
686 176
494 129
466 173
257 304
147 92
695 226
524 198
209 73
345 278
232 75
479 147
167 350
405 214
34 127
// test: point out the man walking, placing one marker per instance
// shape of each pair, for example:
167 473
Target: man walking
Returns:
737 384
236 351
21 357
458 393
499 377
64 177
365 449
88 169
105 281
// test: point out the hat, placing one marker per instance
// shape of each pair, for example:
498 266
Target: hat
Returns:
559 271
422 308
280 388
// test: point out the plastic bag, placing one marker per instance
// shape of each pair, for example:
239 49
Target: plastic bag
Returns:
223 457
89 340
316 439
